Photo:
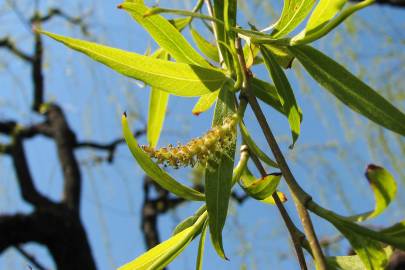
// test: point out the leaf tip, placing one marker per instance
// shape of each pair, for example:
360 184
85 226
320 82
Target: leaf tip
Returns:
120 6
371 168
124 114
196 113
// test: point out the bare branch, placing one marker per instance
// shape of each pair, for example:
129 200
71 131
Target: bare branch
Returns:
30 258
56 12
109 147
65 141
8 44
27 188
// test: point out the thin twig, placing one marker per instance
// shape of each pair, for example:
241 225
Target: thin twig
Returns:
300 197
30 258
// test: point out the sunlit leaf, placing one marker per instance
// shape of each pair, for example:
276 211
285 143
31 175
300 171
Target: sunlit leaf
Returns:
262 188
176 78
205 102
201 244
270 199
267 93
189 221
352 262
154 171
384 188
156 111
282 56
205 47
165 34
370 251
218 175
324 20
284 91
349 89
161 255
294 12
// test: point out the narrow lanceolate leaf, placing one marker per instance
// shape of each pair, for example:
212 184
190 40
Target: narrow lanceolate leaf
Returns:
284 91
156 115
259 189
204 46
396 230
254 148
157 111
294 12
349 89
201 245
324 11
281 54
218 175
154 171
267 93
370 251
175 78
189 221
161 255
205 102
165 34
351 262
384 187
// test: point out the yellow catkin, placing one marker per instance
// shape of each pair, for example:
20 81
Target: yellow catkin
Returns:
199 150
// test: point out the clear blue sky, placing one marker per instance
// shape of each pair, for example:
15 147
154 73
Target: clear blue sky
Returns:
328 160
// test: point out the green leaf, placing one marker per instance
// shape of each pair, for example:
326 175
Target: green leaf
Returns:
397 230
176 78
156 115
352 262
204 46
221 32
267 93
200 254
281 54
218 176
161 255
370 251
284 91
180 23
189 221
384 187
294 12
165 34
205 102
324 11
157 111
154 171
270 199
259 189
349 89
324 23
254 148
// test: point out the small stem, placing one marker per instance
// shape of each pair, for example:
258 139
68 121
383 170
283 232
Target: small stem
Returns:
299 196
296 235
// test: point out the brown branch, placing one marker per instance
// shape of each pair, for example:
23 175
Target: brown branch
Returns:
56 227
295 234
8 44
65 141
56 12
37 74
30 258
26 184
109 147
